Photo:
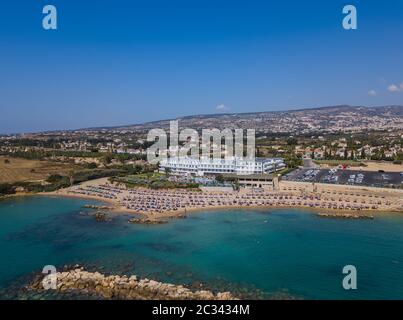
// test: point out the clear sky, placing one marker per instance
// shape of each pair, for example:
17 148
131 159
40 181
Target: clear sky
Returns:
122 62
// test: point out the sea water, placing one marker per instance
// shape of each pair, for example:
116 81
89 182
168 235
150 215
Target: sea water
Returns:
268 253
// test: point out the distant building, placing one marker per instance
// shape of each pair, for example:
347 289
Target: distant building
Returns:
199 167
265 181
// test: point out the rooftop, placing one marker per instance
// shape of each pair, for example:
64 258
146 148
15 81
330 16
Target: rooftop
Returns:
255 176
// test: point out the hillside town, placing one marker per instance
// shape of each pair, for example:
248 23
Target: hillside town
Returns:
371 157
331 133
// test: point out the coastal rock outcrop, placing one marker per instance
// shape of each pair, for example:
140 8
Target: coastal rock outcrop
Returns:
125 287
147 221
345 215
91 206
100 217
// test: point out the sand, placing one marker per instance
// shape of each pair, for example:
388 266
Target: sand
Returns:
390 202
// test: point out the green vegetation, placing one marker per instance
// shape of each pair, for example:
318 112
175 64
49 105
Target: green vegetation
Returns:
107 158
57 181
153 181
45 154
292 161
10 188
335 163
85 175
42 154
111 171
219 178
284 171
91 165
122 157
54 178
6 188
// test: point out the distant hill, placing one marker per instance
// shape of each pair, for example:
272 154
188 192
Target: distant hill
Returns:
332 118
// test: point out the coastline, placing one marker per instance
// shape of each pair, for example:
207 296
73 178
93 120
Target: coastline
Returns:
193 283
17 195
182 213
121 287
156 206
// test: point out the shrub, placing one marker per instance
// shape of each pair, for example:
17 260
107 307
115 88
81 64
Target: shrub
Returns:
54 178
6 188
84 175
91 165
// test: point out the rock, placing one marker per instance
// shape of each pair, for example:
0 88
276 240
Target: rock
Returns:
90 206
205 295
345 215
101 217
124 287
224 296
147 221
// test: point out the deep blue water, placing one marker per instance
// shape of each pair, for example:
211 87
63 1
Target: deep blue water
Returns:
278 251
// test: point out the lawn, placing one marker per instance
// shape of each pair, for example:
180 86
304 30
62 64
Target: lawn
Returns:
153 181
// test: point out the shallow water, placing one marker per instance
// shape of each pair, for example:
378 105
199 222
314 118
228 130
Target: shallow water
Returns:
260 252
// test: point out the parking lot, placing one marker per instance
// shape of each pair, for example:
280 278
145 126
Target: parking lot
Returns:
348 177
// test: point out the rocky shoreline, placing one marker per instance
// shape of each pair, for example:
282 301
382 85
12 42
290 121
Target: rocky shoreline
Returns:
345 215
91 206
123 287
146 221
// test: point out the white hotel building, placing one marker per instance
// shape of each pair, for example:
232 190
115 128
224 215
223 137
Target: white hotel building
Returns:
199 167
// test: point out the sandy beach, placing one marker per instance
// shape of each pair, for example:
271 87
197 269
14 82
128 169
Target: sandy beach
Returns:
155 205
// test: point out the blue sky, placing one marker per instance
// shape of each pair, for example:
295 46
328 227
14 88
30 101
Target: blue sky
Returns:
122 62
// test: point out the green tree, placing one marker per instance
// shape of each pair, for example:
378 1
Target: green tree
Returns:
292 141
219 178
107 159
363 155
91 165
6 188
54 178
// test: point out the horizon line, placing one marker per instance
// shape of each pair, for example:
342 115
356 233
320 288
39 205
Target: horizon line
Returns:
291 109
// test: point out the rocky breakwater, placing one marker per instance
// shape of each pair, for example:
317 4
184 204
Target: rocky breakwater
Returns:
125 287
345 215
147 221
91 206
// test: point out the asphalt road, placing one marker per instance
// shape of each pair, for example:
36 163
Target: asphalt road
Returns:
308 163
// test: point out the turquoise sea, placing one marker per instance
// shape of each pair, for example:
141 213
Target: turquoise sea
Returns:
261 253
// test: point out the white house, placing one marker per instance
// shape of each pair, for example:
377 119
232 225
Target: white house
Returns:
187 165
